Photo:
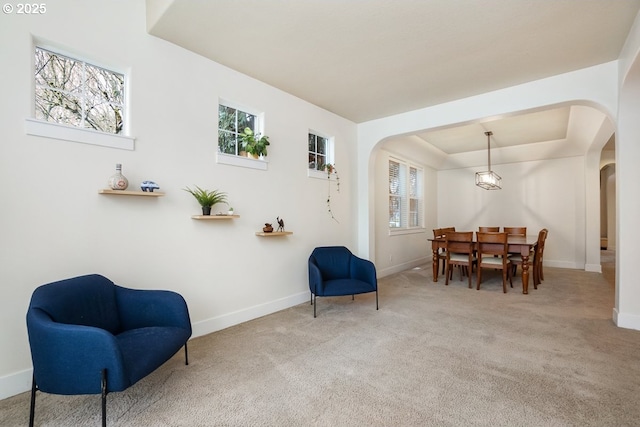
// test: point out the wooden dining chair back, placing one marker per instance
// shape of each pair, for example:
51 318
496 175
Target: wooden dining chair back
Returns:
439 233
459 250
488 229
492 252
515 231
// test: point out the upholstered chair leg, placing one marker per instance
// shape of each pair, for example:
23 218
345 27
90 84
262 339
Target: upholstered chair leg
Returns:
104 398
32 409
186 355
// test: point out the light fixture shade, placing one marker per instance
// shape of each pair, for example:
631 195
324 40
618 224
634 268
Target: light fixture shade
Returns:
488 180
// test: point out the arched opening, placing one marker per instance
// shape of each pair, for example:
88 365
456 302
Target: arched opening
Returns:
547 183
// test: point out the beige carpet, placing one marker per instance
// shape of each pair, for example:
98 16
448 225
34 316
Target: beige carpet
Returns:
431 356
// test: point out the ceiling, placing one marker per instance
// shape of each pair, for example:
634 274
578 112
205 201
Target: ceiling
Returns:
365 60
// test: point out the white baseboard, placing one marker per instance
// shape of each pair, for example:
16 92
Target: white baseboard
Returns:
404 266
224 321
594 268
17 383
627 321
20 382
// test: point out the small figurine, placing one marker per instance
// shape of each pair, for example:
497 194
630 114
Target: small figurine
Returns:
280 224
267 228
149 186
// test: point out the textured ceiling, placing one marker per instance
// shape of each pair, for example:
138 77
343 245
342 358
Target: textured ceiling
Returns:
365 60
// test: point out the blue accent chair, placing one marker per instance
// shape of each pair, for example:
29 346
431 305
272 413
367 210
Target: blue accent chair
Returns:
90 336
335 271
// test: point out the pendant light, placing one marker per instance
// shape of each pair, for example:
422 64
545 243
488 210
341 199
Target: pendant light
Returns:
488 180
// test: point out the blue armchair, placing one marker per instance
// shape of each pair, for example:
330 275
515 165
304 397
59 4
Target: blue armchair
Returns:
335 271
90 336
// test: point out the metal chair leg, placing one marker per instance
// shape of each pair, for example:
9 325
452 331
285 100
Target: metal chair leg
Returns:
376 299
314 306
186 355
104 398
32 408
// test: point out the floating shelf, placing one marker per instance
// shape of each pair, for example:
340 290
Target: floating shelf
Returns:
209 217
273 233
131 193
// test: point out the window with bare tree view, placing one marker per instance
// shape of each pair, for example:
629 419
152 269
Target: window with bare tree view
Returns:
72 92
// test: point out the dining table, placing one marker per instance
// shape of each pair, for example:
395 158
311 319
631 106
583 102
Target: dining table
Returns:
517 244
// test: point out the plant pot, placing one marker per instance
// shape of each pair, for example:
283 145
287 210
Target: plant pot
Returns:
230 213
267 229
206 210
252 156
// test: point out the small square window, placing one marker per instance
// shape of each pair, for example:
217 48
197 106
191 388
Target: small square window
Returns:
231 123
319 152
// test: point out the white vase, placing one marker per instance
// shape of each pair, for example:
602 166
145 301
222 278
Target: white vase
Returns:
118 181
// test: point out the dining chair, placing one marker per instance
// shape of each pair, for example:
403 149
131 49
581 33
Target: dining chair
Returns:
439 233
459 250
488 229
493 244
515 231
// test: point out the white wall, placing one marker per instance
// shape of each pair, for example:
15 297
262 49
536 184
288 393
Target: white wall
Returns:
627 309
539 194
402 251
54 224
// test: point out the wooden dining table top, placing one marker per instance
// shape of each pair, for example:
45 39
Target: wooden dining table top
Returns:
512 239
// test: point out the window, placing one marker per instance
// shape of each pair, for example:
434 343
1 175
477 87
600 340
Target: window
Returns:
74 93
318 152
231 123
405 195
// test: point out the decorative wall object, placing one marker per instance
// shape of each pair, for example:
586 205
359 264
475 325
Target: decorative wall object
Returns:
149 186
118 181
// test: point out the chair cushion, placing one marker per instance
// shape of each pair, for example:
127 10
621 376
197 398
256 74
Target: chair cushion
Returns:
460 257
340 287
492 261
145 349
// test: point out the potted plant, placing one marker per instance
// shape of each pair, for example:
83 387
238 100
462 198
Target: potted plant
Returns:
207 198
254 144
230 211
331 169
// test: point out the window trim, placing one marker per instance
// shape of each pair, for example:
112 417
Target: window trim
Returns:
68 133
73 134
235 159
395 231
330 155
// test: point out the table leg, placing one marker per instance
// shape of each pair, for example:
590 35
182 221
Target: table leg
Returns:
525 273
